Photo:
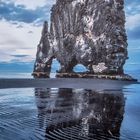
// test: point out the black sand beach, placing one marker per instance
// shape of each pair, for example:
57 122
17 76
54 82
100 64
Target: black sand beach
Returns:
96 84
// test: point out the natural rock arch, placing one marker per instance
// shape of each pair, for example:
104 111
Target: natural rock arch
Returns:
87 32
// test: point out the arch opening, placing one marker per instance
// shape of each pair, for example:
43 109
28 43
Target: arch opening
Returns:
80 68
54 68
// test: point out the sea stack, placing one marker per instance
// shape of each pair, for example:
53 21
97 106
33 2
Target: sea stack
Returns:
87 32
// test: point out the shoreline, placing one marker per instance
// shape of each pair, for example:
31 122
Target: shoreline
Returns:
81 83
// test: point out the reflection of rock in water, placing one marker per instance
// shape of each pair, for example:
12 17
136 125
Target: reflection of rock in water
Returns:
45 100
77 113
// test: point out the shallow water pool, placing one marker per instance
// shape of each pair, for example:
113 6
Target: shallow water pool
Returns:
70 114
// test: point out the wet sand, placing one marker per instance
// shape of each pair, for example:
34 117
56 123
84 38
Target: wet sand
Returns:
96 84
45 112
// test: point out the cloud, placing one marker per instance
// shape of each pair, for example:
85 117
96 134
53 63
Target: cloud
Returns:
18 41
134 34
12 12
30 4
132 9
19 56
133 21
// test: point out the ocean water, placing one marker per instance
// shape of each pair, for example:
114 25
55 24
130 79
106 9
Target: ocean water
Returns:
70 114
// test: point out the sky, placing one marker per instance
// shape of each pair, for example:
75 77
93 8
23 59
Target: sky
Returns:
21 24
20 28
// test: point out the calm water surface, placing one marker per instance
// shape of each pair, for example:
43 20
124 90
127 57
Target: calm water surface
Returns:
70 114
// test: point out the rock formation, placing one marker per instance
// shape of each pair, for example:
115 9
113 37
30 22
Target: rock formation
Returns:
87 32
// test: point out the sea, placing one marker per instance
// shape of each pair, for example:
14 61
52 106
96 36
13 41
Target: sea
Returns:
70 114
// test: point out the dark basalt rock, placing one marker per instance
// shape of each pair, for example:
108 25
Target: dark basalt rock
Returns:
123 77
87 32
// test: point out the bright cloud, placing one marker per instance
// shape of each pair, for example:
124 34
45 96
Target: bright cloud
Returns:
132 9
20 28
18 40
133 21
30 4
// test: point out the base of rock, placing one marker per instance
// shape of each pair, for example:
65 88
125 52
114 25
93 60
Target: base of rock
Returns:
123 77
40 75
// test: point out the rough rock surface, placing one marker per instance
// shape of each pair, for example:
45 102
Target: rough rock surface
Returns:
87 32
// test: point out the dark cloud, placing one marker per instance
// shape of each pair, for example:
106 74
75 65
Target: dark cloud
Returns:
20 56
131 1
132 7
30 32
19 26
19 13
